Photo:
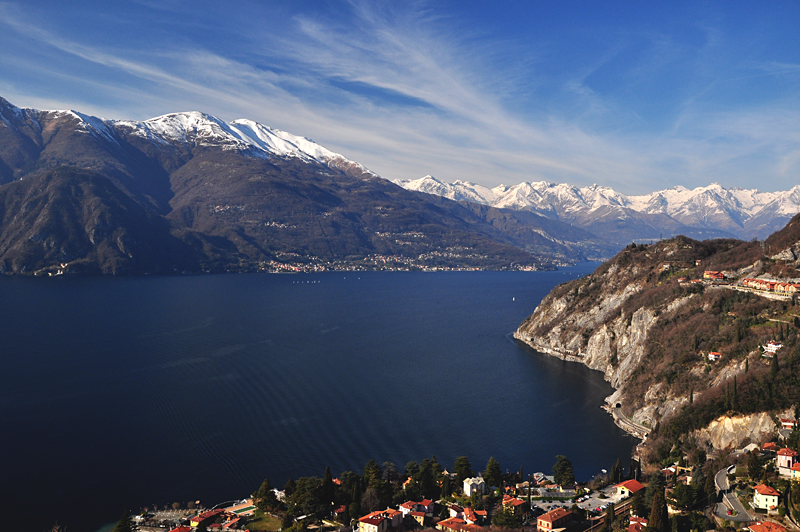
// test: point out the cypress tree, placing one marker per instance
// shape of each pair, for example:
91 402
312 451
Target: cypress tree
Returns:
659 519
326 490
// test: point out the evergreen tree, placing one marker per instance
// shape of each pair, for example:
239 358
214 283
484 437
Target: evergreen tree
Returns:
412 468
657 483
659 519
563 472
616 472
493 475
327 490
446 489
265 499
638 507
124 524
754 468
505 518
462 469
773 368
372 473
289 487
610 516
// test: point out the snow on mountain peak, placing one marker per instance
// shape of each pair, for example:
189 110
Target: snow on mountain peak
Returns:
245 135
712 206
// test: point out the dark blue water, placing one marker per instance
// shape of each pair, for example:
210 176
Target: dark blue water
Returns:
117 393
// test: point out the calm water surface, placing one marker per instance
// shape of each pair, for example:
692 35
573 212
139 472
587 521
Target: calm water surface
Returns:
124 392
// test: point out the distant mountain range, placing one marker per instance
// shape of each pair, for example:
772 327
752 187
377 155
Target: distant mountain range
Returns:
704 212
190 192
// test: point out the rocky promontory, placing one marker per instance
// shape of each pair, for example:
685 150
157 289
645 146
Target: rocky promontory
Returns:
649 318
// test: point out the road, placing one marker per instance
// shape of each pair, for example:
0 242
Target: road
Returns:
729 499
629 425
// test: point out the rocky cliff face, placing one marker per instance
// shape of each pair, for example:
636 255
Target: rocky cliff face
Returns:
641 320
603 336
725 432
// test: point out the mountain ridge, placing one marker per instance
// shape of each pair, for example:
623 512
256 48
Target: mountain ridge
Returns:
242 196
711 211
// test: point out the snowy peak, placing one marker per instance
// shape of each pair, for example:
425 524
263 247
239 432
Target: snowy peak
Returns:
189 129
712 207
457 191
247 136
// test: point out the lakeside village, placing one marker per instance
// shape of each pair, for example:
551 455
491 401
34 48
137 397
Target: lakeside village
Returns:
756 488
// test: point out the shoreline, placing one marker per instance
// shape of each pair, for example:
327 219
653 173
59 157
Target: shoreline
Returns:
629 426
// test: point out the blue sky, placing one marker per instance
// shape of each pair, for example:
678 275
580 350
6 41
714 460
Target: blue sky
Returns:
634 95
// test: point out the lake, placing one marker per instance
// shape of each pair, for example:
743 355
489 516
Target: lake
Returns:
127 392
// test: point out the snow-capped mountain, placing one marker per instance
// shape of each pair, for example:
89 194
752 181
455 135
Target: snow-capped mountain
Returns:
191 192
710 211
189 129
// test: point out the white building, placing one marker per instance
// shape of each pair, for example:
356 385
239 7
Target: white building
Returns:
474 485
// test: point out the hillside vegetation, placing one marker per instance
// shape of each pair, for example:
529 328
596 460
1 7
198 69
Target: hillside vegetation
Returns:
648 320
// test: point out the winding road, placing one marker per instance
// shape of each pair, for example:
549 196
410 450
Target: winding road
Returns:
729 500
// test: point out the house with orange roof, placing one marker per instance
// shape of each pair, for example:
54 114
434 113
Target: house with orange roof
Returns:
233 523
765 497
553 520
787 423
205 518
628 488
456 524
637 524
183 528
769 446
795 469
766 526
370 523
513 503
419 517
380 520
474 517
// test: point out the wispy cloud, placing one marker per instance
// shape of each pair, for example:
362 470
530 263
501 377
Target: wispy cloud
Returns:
408 91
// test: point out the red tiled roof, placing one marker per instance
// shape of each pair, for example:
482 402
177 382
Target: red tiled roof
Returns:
769 445
425 502
787 452
637 524
631 485
766 490
796 467
554 515
767 527
182 529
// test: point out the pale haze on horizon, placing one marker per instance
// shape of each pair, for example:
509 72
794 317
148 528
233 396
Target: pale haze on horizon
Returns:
634 96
